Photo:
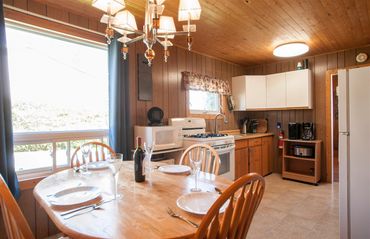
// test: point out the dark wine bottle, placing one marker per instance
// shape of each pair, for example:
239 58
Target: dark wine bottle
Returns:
139 162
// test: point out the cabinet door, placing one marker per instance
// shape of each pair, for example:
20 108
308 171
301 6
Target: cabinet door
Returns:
276 91
255 92
255 159
241 162
299 91
238 91
267 155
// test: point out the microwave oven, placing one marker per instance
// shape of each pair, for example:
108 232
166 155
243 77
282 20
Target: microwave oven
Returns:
162 137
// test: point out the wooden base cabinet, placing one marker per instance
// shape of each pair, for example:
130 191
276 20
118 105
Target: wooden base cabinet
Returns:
253 155
267 155
241 162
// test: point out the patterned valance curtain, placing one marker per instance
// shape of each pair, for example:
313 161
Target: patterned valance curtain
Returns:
194 81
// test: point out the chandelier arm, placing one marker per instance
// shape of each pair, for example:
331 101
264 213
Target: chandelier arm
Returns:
160 42
139 38
180 33
127 29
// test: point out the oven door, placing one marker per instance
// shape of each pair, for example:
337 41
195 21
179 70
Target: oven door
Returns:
166 138
227 157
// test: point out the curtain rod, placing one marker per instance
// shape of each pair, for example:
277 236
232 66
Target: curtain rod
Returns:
51 19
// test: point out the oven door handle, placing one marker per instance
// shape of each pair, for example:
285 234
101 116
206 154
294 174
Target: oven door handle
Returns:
225 150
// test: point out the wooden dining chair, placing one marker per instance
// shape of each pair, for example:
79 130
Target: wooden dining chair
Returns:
15 223
235 221
98 152
210 162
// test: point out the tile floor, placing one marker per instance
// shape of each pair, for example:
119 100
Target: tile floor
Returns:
296 210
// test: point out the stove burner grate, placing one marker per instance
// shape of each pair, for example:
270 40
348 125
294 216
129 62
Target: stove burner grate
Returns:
204 136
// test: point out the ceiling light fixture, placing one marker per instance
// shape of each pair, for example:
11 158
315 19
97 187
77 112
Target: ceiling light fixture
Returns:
157 28
291 49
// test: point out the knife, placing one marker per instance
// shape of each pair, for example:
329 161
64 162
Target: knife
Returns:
84 209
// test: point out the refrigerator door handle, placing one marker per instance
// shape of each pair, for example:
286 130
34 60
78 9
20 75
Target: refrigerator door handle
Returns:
345 133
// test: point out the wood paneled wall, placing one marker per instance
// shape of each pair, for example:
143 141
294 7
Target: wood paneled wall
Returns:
319 65
56 13
168 90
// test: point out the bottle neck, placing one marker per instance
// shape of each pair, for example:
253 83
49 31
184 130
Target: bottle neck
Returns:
138 142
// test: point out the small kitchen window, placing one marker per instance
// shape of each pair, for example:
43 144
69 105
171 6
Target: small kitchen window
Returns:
204 92
204 102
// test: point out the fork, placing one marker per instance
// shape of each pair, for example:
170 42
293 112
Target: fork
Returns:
173 214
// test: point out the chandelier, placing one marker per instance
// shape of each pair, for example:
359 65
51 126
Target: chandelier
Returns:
157 28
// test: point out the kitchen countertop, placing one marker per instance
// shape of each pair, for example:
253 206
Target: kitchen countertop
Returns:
251 136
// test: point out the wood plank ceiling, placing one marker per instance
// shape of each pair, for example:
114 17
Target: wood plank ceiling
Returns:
246 31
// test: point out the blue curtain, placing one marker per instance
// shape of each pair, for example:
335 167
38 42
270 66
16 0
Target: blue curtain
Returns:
120 131
6 130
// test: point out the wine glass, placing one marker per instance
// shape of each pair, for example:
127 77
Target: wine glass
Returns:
115 164
148 159
85 150
196 162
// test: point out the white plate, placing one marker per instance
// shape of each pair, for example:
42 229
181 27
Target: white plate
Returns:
174 169
199 202
74 196
98 165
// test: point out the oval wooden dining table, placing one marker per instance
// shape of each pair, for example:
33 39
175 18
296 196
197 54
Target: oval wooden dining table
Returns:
140 212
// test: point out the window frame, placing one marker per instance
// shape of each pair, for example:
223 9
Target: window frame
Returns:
54 137
203 113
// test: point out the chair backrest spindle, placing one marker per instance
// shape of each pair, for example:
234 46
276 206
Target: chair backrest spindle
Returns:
94 154
210 158
16 225
238 214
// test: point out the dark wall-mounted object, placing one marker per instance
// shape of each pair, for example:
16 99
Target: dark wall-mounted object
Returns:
144 75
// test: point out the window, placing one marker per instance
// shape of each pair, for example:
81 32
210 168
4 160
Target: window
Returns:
59 90
204 102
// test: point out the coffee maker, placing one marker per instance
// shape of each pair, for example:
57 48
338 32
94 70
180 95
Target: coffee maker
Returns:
308 131
294 130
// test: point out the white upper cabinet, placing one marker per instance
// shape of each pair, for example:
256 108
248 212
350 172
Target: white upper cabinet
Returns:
289 90
249 92
276 91
299 89
255 92
238 91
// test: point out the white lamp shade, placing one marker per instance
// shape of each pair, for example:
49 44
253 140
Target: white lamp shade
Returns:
291 49
125 20
160 2
109 6
189 9
166 26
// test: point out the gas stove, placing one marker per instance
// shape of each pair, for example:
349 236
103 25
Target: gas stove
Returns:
203 136
193 131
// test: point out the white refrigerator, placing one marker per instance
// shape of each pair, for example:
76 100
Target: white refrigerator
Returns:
354 152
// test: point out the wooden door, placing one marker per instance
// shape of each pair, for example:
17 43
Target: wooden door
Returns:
241 162
255 159
267 155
